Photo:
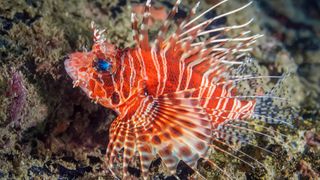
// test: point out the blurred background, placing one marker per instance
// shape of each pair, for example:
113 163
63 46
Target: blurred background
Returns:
50 130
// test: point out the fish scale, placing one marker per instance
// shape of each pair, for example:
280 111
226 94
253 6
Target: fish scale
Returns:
174 95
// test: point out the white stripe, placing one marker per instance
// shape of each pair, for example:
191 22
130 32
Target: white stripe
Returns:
226 28
121 73
132 72
190 71
199 16
210 93
165 69
212 19
234 112
181 71
141 61
219 102
205 76
156 65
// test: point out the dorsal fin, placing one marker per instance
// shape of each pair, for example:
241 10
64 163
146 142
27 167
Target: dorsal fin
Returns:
164 28
144 37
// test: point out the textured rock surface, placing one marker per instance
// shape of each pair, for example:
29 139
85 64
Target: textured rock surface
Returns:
60 133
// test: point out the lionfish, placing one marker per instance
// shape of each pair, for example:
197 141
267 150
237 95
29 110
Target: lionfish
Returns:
178 95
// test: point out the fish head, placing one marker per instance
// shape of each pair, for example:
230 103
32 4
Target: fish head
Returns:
94 72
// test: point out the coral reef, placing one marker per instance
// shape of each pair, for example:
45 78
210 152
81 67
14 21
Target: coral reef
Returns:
17 93
50 130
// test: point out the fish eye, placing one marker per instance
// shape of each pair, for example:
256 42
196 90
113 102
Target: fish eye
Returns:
102 65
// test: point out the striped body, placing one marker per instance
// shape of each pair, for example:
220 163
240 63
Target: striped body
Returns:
156 74
173 96
163 108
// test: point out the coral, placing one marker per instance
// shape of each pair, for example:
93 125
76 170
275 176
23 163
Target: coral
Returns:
312 139
307 171
17 93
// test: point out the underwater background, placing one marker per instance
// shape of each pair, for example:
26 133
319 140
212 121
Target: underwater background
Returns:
50 130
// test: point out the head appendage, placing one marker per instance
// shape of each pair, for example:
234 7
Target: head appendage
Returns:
98 34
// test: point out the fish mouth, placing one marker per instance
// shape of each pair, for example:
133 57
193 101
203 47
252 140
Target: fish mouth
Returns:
75 62
73 72
70 69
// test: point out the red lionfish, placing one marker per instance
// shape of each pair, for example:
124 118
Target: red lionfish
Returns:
178 95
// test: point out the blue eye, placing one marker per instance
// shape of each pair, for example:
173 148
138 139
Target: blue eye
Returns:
102 65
